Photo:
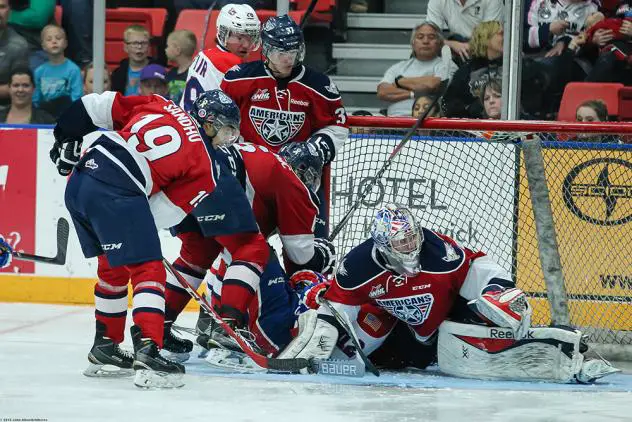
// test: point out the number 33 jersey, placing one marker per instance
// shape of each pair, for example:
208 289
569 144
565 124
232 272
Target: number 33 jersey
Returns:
156 145
275 112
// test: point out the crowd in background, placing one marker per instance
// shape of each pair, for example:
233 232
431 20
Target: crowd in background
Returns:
459 45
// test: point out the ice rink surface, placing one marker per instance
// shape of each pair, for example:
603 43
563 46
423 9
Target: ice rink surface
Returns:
43 351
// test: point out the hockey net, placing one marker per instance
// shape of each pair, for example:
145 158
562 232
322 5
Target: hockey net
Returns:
468 180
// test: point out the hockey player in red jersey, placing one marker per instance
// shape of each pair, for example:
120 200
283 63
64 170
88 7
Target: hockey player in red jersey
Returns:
282 204
147 172
238 30
283 101
426 283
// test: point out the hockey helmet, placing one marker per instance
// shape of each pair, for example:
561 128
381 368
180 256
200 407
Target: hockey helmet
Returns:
238 19
305 161
220 112
398 237
281 36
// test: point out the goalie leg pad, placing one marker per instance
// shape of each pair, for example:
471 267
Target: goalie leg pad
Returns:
472 351
316 338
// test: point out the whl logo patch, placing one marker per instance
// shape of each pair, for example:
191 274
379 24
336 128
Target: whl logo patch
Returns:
413 310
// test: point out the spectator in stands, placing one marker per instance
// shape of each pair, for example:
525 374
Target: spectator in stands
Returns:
12 50
594 111
613 38
551 25
126 77
181 46
87 73
77 20
153 80
21 110
58 81
491 98
218 4
422 104
421 74
28 18
461 17
462 98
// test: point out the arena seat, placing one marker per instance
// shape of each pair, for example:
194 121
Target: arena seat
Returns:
117 20
194 20
59 11
625 103
576 93
322 10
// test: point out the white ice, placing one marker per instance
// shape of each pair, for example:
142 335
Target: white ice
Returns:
43 351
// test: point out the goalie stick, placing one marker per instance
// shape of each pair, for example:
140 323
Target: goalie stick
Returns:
63 230
285 365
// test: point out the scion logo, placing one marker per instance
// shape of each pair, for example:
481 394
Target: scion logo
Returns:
599 191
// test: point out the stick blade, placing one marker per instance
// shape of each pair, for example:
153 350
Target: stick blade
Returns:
63 231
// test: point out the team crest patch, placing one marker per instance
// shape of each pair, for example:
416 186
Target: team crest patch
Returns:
332 88
413 310
450 253
223 98
276 127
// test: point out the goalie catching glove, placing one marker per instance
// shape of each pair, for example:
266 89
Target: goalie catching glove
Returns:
508 308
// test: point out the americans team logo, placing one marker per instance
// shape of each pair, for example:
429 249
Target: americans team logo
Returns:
276 127
413 310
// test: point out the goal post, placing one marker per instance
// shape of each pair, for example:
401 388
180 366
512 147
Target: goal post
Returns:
556 214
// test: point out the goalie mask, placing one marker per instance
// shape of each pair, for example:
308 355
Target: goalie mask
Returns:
218 115
399 238
238 19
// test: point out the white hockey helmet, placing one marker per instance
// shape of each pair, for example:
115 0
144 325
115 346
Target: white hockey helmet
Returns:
239 19
398 237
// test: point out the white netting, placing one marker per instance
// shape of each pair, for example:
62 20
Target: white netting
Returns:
475 190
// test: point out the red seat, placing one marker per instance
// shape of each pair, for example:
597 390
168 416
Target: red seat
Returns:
59 11
576 93
625 103
194 20
117 20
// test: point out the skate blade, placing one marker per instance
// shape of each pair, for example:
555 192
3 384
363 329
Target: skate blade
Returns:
595 369
178 357
107 371
149 379
228 360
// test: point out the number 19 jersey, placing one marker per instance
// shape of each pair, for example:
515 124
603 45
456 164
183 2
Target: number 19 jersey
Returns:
158 146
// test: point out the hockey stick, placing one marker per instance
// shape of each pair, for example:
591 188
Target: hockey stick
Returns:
286 365
369 186
354 339
63 230
207 21
308 13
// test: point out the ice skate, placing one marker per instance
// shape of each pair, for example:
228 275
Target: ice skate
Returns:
106 358
153 370
178 348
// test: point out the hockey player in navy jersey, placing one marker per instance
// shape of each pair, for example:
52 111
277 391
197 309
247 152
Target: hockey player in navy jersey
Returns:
147 172
450 301
283 101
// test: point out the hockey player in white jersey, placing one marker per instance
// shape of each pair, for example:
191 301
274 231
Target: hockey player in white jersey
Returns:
237 36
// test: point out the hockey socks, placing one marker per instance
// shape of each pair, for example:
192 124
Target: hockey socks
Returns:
176 297
148 280
110 299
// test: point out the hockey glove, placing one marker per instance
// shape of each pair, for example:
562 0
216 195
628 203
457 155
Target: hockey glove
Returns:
326 250
325 147
310 287
65 155
507 308
6 253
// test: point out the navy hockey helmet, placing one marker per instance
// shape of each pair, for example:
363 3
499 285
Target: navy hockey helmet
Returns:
281 35
220 112
306 162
